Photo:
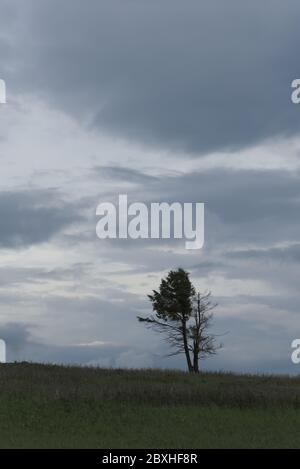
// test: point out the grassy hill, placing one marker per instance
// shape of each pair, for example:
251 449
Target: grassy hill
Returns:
46 406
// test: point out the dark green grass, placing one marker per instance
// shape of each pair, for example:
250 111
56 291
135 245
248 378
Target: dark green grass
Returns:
44 406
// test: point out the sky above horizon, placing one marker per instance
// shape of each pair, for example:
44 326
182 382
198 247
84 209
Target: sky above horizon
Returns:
163 101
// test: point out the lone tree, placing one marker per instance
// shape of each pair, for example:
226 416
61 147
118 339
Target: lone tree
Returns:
184 317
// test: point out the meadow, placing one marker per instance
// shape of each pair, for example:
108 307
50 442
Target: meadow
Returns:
51 406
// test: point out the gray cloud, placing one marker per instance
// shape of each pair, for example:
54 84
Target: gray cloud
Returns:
195 76
22 345
11 276
241 206
123 174
33 216
15 334
173 74
284 254
237 196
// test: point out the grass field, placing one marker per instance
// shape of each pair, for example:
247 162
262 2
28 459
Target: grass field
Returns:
46 406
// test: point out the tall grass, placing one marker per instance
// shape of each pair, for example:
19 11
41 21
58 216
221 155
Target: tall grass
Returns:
158 387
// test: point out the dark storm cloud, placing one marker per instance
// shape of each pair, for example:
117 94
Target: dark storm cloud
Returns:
10 276
188 75
199 76
123 174
33 216
256 207
288 303
23 346
285 254
15 334
237 196
271 353
240 206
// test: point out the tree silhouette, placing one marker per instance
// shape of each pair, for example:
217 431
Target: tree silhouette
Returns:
183 317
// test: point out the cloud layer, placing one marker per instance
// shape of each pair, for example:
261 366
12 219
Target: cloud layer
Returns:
165 101
196 76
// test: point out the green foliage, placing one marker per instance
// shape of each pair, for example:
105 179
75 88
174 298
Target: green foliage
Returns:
173 301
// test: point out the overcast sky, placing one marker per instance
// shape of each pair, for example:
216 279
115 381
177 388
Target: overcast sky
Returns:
164 100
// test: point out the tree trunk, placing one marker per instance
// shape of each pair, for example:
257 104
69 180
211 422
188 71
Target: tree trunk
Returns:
186 349
196 362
